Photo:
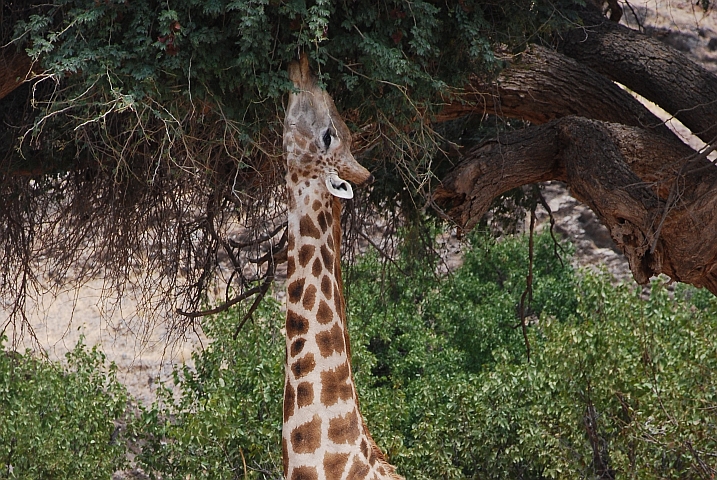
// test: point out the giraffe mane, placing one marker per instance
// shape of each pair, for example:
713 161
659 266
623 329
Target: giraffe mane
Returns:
380 456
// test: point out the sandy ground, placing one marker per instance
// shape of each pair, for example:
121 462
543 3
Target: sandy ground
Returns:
145 354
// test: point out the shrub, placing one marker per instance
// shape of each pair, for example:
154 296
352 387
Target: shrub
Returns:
58 421
226 421
617 386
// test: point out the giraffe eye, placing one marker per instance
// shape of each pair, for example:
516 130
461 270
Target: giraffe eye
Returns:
327 138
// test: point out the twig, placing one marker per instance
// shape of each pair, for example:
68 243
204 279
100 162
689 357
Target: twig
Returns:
243 461
528 292
262 239
641 27
262 293
544 204
278 257
383 254
224 306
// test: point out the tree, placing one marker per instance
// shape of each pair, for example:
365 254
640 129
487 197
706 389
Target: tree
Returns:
139 135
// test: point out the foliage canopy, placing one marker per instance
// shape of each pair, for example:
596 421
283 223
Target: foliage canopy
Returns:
151 129
132 76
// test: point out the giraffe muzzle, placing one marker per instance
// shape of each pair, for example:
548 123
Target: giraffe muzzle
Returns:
368 181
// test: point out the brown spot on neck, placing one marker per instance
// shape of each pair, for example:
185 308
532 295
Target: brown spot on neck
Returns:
309 297
296 324
297 346
326 287
304 394
307 228
316 268
289 397
306 438
290 267
334 464
304 473
330 341
306 253
321 218
303 366
335 385
295 290
359 469
285 456
344 429
327 257
324 314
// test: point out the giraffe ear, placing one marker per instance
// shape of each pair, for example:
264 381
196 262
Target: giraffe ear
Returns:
339 187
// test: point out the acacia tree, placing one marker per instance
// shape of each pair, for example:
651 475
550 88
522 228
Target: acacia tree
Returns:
139 137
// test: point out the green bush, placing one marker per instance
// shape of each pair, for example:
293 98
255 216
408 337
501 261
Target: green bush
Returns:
58 421
226 422
617 386
420 344
624 388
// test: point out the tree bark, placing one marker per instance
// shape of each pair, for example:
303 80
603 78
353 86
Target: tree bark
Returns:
15 68
654 193
647 66
541 85
656 198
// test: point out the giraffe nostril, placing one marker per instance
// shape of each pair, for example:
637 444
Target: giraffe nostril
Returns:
368 181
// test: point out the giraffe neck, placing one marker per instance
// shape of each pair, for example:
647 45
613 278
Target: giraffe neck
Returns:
324 437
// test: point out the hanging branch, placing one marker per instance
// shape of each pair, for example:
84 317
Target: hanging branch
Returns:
276 254
544 203
261 294
528 292
262 239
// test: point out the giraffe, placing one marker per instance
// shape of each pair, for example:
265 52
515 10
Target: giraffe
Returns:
323 435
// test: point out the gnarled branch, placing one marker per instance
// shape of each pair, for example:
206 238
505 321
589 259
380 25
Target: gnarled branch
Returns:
624 174
647 66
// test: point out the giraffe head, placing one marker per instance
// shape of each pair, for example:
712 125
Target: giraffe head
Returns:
317 142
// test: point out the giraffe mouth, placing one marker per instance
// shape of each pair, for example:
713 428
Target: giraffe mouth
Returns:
368 181
339 187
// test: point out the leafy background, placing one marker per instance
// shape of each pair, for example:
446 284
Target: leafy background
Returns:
618 384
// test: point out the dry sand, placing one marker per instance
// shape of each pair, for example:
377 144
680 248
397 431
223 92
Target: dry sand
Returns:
144 352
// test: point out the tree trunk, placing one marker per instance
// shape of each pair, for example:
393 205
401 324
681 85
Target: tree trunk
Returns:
655 194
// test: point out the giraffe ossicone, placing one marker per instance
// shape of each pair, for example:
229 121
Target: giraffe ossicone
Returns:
323 435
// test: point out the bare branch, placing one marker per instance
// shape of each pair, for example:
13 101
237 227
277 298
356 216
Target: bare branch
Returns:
239 245
540 85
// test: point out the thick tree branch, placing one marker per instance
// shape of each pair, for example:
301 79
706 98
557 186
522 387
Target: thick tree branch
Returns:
541 85
647 66
626 175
